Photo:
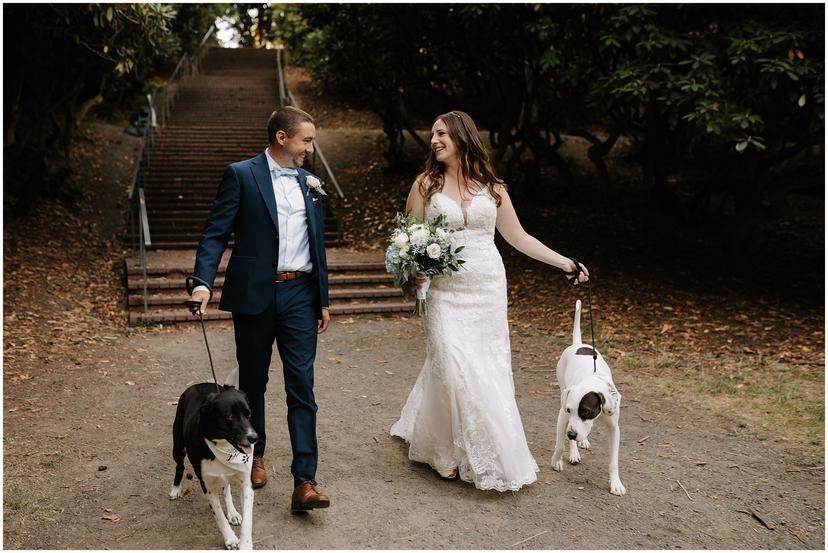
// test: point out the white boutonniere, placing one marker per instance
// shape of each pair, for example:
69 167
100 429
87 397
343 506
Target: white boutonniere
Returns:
314 187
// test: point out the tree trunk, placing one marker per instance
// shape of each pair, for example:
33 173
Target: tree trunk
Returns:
596 154
9 136
748 213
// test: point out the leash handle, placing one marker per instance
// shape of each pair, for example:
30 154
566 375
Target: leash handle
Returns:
192 281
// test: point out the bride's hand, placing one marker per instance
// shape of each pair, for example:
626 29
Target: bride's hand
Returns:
419 280
570 271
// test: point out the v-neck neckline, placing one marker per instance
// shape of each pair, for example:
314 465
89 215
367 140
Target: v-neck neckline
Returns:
463 212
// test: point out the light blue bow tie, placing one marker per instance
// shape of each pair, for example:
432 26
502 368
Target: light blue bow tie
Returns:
285 172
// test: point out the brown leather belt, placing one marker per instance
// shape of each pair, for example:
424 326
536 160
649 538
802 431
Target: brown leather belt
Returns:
282 277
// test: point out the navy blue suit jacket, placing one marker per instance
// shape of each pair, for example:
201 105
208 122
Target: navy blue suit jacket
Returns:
245 204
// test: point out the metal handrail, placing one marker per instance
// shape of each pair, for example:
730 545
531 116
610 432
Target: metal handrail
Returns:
280 72
190 65
209 32
337 206
318 151
145 241
199 52
174 75
140 158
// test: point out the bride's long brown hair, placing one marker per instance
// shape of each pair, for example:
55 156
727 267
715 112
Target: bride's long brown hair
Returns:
473 157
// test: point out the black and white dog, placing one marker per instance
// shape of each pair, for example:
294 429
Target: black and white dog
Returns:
213 429
587 392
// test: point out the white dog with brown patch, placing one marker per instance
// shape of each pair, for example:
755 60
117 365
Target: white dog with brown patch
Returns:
587 392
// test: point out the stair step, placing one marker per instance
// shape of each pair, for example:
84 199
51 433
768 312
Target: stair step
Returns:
359 278
180 315
339 295
175 280
194 237
179 245
334 267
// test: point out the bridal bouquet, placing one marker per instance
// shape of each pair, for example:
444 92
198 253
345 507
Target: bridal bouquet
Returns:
420 248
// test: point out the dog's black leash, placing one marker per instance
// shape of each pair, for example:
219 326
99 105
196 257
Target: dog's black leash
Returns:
195 309
574 278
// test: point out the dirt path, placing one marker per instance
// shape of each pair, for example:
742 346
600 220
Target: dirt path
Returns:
93 441
88 404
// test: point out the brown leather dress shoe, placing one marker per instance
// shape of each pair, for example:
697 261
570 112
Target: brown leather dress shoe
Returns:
306 497
258 475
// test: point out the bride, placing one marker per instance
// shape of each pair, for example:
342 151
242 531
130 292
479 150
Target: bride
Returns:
461 417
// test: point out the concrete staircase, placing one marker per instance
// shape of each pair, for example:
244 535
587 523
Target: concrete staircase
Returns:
358 283
220 116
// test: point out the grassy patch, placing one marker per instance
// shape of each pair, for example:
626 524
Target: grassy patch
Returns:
12 501
51 460
763 395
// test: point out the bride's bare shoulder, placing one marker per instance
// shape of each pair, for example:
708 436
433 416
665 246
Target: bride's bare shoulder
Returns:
421 184
499 188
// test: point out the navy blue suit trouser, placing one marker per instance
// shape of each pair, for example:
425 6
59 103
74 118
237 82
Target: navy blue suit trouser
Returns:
291 321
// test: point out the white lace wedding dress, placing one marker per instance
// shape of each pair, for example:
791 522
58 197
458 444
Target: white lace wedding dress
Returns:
462 411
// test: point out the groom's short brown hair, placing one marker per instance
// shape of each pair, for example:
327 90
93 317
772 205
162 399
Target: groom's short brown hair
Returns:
286 119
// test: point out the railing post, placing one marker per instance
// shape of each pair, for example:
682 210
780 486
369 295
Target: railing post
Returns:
281 76
152 122
145 241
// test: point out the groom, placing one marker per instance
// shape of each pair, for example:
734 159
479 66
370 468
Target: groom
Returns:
276 284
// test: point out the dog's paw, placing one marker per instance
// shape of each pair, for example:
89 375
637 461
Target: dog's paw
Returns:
234 517
584 444
231 543
574 456
617 488
557 462
175 492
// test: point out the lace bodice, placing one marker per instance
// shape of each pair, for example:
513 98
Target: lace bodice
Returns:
479 218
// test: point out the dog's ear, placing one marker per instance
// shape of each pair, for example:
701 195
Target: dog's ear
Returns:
610 403
603 398
208 402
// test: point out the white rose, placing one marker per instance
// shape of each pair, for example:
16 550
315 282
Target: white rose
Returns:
401 240
441 233
420 236
314 184
403 254
434 251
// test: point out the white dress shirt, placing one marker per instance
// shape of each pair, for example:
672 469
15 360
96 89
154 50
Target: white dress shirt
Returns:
294 246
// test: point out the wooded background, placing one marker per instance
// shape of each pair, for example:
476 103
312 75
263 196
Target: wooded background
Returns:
721 106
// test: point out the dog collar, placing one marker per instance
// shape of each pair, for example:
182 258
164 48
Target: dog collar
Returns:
615 397
229 455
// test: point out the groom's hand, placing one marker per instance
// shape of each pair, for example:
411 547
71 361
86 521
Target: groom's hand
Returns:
203 297
322 325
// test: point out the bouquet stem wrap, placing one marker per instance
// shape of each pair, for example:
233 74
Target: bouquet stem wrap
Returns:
421 305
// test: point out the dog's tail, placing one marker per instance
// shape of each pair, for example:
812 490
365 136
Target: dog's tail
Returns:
576 327
233 378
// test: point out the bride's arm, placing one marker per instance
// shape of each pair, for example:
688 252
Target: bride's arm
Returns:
415 205
510 228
